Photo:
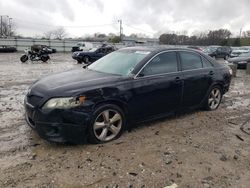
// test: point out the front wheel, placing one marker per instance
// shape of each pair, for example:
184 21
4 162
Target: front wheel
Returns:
24 58
214 98
44 58
108 124
86 60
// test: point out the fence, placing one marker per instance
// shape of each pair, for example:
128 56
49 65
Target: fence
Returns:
59 45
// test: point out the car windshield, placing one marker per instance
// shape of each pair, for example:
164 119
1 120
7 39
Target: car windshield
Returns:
244 55
119 62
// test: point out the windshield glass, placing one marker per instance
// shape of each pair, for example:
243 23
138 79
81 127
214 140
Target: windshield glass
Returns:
244 55
119 62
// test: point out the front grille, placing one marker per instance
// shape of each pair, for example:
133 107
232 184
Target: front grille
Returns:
34 100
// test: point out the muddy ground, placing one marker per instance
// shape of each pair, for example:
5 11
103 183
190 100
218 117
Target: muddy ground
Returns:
194 149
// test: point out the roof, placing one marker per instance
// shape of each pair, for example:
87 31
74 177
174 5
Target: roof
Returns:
156 49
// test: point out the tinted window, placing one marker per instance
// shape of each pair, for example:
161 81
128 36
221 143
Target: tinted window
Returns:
163 63
206 63
190 61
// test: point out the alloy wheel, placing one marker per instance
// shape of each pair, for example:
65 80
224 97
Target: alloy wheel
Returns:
107 125
214 98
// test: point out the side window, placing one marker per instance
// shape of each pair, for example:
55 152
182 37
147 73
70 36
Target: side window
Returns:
163 63
190 61
219 50
206 63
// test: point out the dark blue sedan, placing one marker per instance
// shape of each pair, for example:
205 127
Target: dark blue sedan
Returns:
92 55
125 87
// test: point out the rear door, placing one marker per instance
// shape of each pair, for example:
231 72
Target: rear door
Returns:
197 74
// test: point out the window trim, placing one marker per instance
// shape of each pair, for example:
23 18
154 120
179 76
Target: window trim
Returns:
178 66
178 63
202 67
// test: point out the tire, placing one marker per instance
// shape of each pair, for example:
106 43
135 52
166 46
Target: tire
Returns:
226 57
79 62
214 98
44 58
24 58
86 60
101 128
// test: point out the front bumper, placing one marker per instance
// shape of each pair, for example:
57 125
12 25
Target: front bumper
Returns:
76 57
58 125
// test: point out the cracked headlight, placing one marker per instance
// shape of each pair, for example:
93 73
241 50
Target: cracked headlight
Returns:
64 103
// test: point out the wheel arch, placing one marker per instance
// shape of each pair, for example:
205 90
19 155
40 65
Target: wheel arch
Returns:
119 103
219 84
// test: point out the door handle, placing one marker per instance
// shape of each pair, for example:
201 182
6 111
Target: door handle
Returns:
177 79
211 73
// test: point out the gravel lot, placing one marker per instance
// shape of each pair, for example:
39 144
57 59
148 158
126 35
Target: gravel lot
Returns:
194 149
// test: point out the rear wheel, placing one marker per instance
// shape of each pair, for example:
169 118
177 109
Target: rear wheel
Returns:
107 124
24 58
214 98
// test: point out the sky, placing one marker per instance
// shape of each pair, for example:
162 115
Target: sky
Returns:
144 17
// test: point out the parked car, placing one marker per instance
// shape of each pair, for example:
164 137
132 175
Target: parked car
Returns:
82 46
238 51
241 60
195 47
220 52
46 49
127 86
92 55
7 49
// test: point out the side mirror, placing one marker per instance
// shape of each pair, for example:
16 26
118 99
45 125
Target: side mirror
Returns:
141 74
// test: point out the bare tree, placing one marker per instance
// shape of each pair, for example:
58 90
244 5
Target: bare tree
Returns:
7 28
246 34
58 33
48 35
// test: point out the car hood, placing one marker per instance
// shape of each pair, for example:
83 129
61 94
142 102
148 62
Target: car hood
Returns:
71 82
237 59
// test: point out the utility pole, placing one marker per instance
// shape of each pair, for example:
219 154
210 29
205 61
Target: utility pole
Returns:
120 21
10 27
240 32
1 26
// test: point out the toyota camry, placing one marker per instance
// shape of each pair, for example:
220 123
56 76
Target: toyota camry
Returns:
125 87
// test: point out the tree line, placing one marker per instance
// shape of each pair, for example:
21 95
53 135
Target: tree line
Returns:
213 37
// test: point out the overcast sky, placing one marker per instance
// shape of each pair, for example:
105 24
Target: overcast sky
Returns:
152 17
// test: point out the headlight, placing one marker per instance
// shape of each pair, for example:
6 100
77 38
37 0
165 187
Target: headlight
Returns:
230 71
64 103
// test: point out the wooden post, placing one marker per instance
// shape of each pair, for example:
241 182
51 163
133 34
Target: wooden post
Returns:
248 68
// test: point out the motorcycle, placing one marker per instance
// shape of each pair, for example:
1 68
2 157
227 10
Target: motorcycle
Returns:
35 56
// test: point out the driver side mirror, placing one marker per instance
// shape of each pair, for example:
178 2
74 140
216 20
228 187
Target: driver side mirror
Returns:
141 74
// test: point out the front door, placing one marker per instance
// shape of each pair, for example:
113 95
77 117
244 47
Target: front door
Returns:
158 87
